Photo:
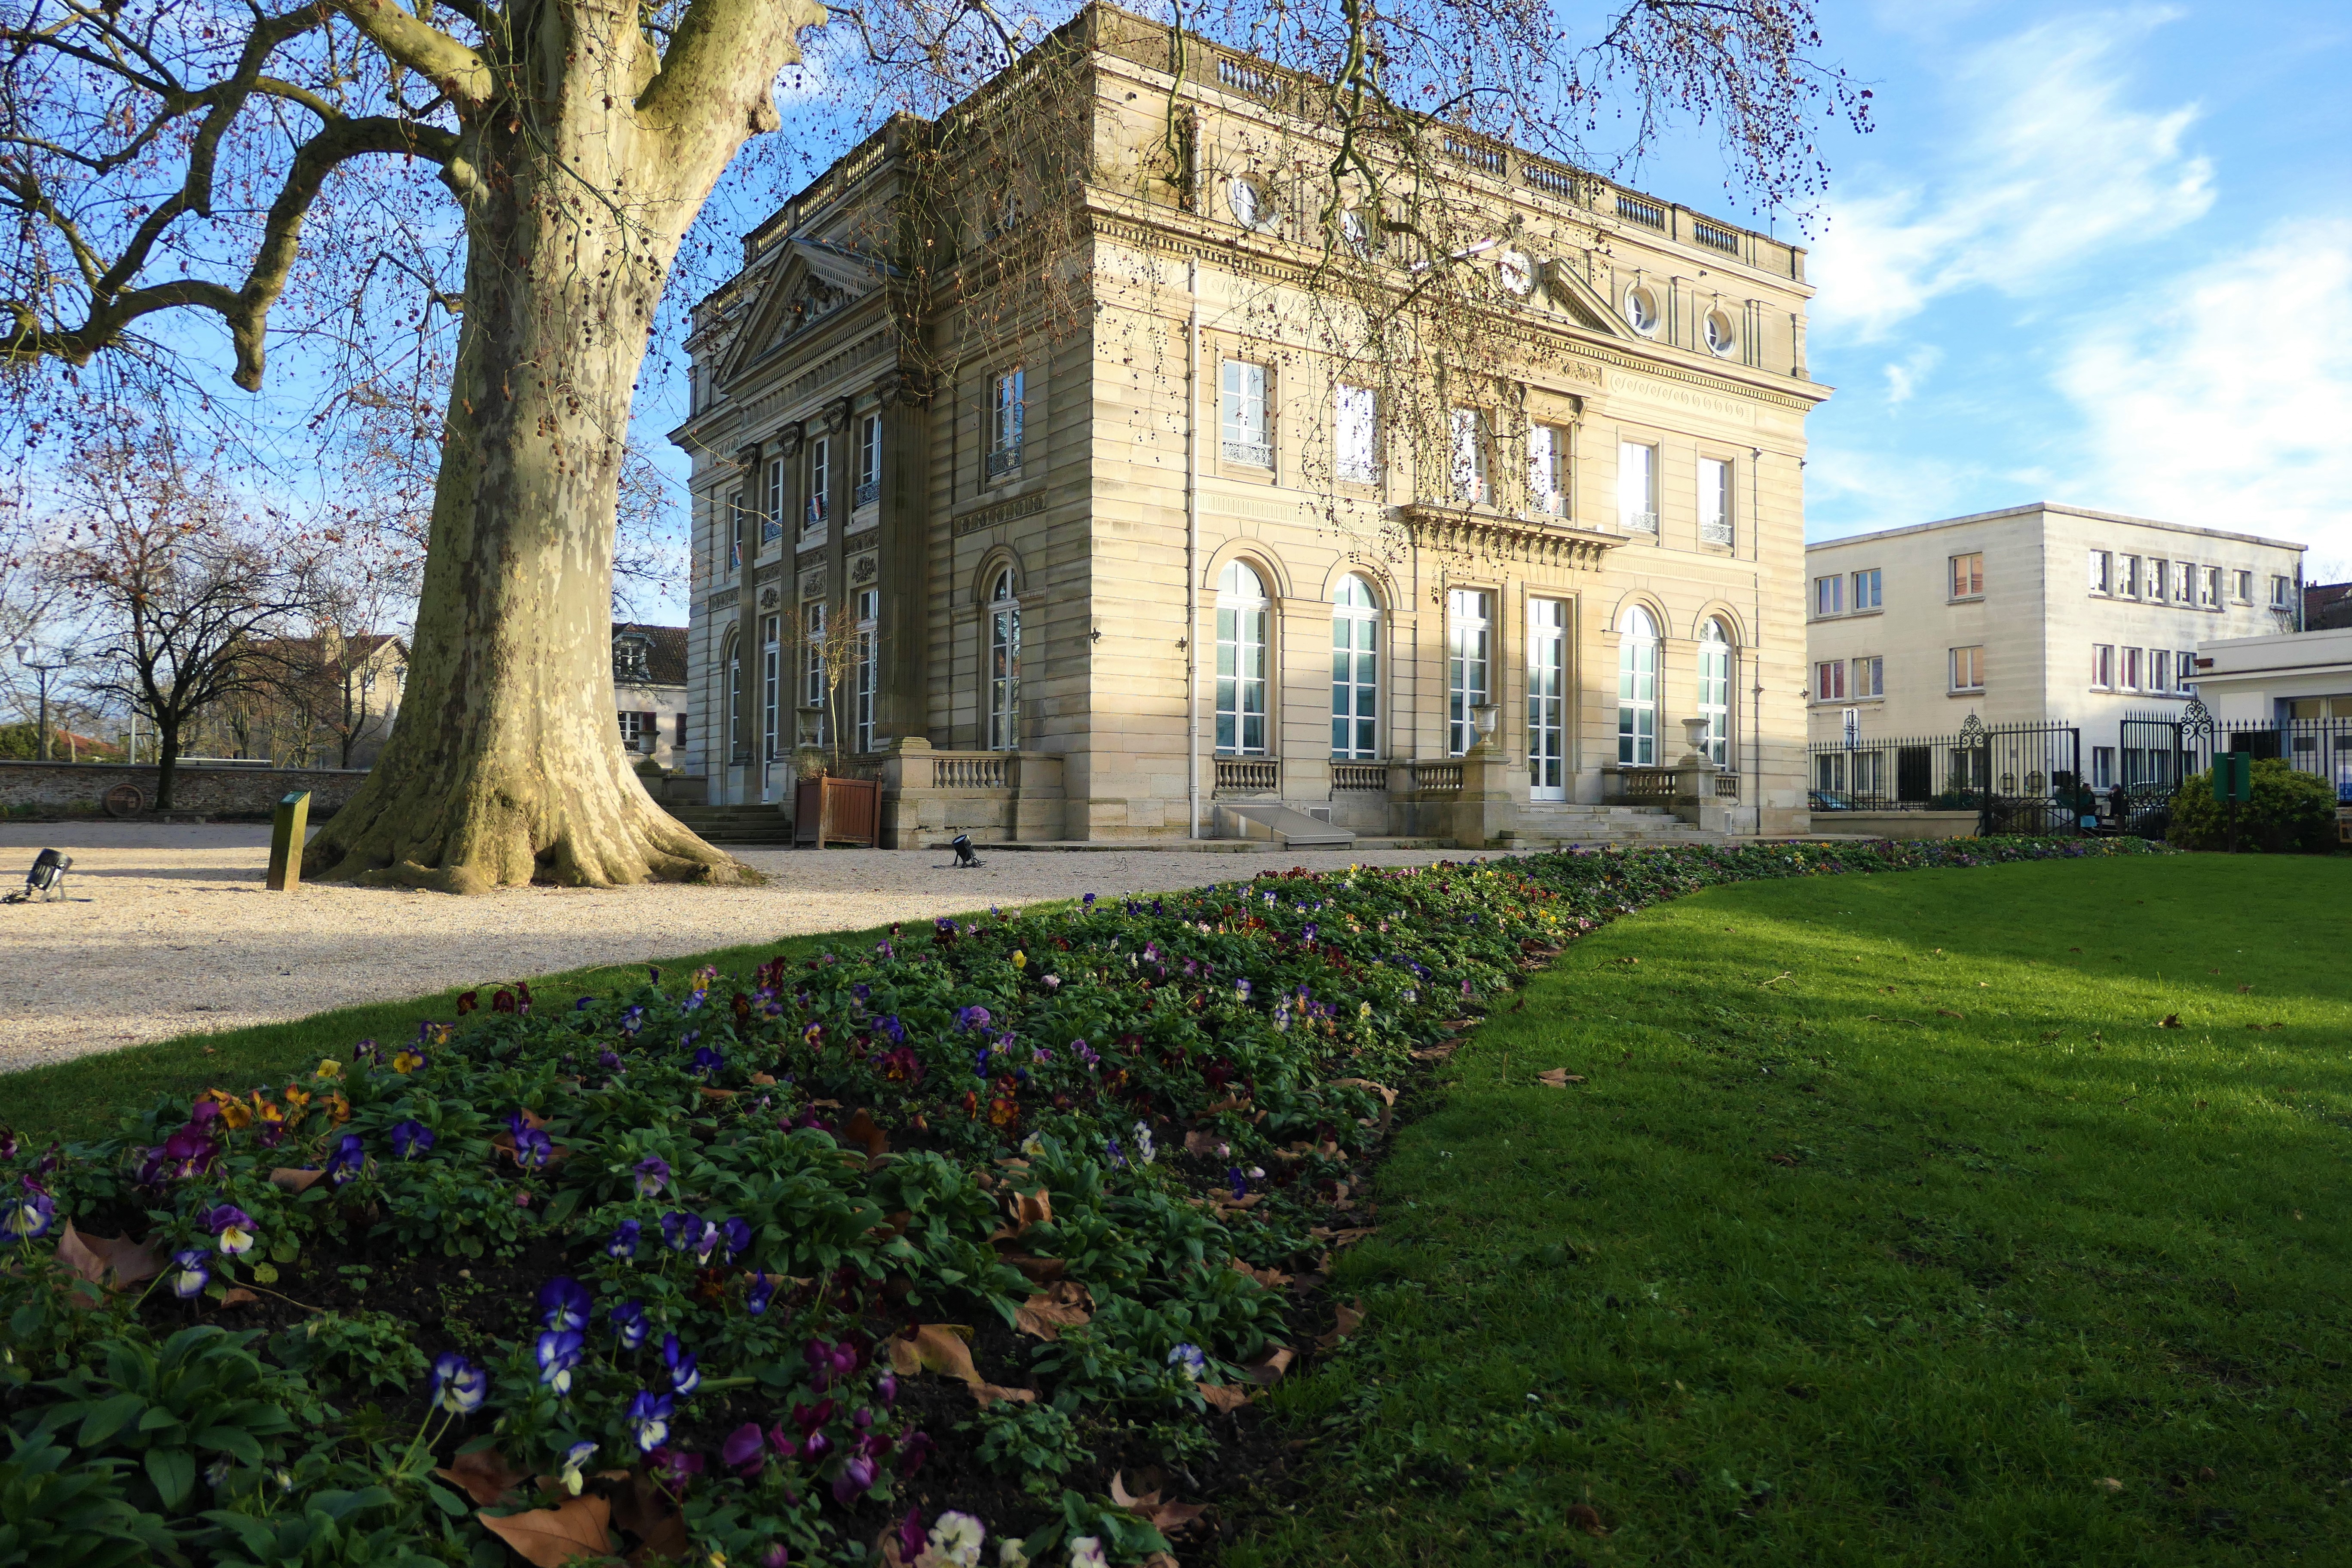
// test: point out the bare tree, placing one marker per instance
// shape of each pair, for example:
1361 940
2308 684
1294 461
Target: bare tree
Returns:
176 582
252 163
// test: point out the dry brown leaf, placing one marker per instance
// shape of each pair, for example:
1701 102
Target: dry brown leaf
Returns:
1201 1142
550 1536
709 1093
1064 1305
989 1394
1272 1278
667 1540
1788 1160
300 1181
1558 1077
1947 1013
1586 1518
762 1080
1349 1317
2171 1021
1227 1204
934 1347
1028 1209
1168 1518
1220 1397
1039 1269
483 1475
1158 1559
1345 1236
1270 1366
1437 1053
862 1132
93 1258
238 1297
640 1506
1388 1096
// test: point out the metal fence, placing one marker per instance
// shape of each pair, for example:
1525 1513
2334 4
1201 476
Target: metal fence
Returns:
2162 751
2019 778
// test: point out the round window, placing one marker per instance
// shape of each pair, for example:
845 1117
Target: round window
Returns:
1516 272
1720 336
1641 310
1249 208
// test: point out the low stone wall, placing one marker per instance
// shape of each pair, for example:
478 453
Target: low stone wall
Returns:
1899 824
77 789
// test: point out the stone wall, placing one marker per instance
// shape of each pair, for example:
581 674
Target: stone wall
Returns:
70 789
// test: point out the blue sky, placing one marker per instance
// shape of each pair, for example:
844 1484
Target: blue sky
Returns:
2095 255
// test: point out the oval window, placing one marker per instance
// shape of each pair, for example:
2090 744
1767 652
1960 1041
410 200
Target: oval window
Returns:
1516 272
1720 336
1248 207
1641 310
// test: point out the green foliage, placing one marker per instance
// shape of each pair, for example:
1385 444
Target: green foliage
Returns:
2292 813
376 1349
55 1511
1037 1443
198 1399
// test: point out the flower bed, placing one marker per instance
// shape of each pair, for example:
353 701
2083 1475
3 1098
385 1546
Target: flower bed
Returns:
969 1247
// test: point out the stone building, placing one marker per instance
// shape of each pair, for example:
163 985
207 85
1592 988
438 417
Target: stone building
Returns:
649 686
1026 480
2033 615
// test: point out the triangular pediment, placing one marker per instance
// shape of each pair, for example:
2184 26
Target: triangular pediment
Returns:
809 281
1564 284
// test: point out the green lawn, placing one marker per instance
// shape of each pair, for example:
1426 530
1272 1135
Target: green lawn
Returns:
84 1097
1890 1227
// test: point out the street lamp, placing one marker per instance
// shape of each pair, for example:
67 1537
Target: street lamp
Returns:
25 652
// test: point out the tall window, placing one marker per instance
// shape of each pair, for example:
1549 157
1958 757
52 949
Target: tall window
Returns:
2211 597
1715 691
819 489
2103 664
2279 587
771 523
2101 565
2127 672
2184 670
1870 676
2159 669
1469 657
1355 670
1356 430
869 670
1548 470
1968 575
772 687
1466 454
1968 669
735 537
1547 698
2159 574
1637 689
1714 501
2184 583
1637 486
1829 680
1004 414
1240 662
1829 595
1865 589
1004 665
870 461
812 654
735 701
2127 576
1248 436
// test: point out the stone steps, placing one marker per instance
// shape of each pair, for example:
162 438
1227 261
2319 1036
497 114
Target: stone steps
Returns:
749 826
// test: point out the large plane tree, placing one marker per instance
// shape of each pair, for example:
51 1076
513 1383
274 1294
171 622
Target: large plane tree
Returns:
223 161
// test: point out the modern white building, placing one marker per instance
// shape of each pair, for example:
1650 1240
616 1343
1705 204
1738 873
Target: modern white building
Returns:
2287 696
2034 615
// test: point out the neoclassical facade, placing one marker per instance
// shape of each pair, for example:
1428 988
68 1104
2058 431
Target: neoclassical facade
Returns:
1045 488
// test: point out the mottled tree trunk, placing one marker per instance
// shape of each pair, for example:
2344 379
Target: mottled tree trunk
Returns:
505 763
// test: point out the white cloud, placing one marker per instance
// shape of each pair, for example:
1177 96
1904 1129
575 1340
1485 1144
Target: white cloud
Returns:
2220 398
2049 165
1903 375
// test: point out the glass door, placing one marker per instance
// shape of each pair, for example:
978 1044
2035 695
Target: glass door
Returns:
1548 700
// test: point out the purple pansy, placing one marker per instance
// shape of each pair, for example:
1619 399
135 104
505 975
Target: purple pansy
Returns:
648 1418
458 1385
410 1139
349 1158
744 1450
187 1276
684 1376
564 1303
559 1352
624 1245
648 1176
628 1321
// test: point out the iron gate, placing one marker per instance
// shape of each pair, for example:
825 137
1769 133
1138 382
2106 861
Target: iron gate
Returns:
2028 778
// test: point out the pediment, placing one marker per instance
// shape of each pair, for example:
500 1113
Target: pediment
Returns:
810 281
1579 302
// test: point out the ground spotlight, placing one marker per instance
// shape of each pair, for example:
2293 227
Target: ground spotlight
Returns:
961 844
46 880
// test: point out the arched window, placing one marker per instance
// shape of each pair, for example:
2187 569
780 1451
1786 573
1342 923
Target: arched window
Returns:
1355 670
1715 661
1637 689
1240 662
1003 663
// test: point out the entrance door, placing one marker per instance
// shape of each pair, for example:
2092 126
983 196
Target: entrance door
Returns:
1546 700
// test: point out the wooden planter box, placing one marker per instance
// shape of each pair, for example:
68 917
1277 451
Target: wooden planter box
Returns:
829 810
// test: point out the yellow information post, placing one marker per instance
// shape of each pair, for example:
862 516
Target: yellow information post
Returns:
286 830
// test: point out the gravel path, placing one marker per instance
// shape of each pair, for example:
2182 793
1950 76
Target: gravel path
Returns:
169 931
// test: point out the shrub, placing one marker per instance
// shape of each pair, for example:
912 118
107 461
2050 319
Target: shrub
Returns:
2291 813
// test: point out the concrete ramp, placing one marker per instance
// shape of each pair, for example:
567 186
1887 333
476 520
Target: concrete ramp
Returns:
1277 823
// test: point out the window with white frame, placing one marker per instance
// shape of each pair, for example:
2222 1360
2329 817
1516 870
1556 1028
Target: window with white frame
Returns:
1829 595
1469 663
2184 669
1356 433
820 487
2159 669
2281 588
1003 663
2127 576
1969 668
1005 414
1242 616
1829 680
2127 669
1968 575
812 654
1247 436
1865 589
1637 689
2160 575
869 461
2184 583
1548 470
734 727
1714 501
869 670
1465 455
640 731
2103 665
1715 688
2103 767
2245 585
1637 486
771 525
735 522
2210 595
1547 698
1870 676
1355 670
2102 567
772 688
